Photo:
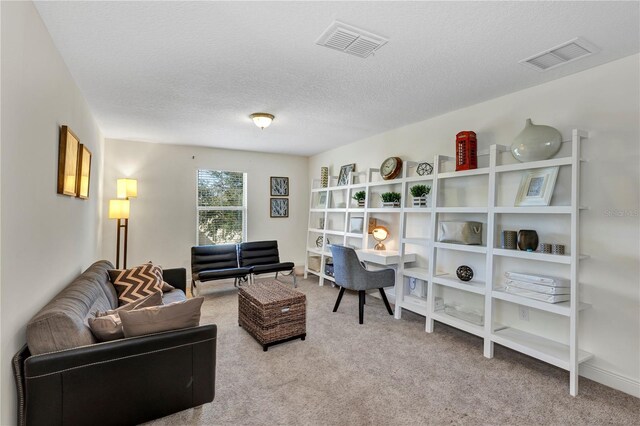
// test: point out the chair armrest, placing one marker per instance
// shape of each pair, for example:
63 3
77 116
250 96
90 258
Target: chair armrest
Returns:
177 277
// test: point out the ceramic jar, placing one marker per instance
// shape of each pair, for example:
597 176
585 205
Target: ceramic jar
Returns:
536 142
527 240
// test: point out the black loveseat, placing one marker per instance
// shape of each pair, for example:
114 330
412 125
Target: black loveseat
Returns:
237 261
121 382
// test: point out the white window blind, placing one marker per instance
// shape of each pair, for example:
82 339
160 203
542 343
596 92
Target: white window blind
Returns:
221 204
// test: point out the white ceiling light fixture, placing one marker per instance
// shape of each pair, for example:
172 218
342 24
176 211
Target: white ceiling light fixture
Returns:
262 119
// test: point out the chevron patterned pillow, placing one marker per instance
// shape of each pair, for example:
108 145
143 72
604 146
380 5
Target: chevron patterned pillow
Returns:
136 283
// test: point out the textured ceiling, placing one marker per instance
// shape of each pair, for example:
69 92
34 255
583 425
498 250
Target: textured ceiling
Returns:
192 72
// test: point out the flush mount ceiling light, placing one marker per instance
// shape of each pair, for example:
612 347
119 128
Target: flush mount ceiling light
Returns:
262 119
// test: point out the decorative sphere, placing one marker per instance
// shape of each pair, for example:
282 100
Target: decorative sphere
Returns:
464 272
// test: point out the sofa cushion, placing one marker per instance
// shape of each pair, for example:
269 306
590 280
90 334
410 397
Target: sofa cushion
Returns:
107 326
274 267
156 319
173 296
99 273
135 283
218 274
63 322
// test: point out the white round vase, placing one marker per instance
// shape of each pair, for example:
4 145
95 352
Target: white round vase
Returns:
536 143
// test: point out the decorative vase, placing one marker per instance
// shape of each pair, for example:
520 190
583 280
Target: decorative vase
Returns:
536 142
420 201
324 177
464 273
527 240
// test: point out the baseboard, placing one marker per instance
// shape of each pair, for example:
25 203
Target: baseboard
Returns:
613 380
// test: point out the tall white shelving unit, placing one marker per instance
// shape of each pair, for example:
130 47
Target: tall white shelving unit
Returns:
496 212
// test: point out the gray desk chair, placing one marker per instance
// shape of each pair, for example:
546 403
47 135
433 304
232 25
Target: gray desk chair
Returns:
350 273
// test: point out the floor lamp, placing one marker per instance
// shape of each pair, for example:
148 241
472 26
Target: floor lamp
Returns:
125 189
119 209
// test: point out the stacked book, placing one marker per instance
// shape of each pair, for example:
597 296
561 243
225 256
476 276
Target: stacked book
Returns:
538 287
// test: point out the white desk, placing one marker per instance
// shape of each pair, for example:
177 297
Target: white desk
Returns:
384 257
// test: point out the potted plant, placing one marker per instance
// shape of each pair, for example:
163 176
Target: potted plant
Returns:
420 193
360 197
391 199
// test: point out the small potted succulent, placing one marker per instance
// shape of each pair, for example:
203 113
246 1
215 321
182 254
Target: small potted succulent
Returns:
360 198
420 193
391 199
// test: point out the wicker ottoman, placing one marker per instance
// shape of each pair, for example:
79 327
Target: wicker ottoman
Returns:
272 312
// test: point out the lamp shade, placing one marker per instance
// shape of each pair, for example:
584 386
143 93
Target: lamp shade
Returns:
262 119
118 209
380 233
127 188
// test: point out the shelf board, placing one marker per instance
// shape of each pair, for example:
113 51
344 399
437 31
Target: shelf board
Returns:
330 232
337 188
463 173
353 235
546 350
356 210
415 304
418 178
462 247
316 210
462 210
318 252
562 308
317 230
417 209
337 210
420 241
419 273
316 273
385 210
386 182
319 190
564 161
327 277
474 286
463 325
532 255
535 210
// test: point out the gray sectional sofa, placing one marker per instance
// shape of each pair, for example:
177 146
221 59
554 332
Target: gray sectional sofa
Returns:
64 376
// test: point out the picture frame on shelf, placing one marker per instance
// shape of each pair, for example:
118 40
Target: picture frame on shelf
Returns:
356 225
279 186
536 187
322 199
279 207
84 172
343 177
67 162
373 222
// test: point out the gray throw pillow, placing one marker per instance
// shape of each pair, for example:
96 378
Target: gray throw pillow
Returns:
107 326
156 319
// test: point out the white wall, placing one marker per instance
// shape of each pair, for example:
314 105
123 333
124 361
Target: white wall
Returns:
604 101
162 224
47 239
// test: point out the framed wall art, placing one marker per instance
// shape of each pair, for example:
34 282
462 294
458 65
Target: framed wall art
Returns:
279 186
67 162
84 172
343 177
356 224
279 207
536 187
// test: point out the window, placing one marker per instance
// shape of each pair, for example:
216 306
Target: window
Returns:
222 207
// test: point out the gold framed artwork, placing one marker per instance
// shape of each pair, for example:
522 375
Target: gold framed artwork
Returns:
84 172
67 162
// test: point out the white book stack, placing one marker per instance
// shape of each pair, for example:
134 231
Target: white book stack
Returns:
538 287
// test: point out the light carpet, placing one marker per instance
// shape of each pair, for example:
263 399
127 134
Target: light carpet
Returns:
385 372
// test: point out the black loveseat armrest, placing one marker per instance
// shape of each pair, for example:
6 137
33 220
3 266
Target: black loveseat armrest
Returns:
177 277
126 381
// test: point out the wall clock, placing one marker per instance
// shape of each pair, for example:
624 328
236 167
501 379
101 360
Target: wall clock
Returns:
391 168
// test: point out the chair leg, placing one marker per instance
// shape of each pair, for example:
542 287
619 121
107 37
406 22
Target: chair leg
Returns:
335 308
386 302
361 294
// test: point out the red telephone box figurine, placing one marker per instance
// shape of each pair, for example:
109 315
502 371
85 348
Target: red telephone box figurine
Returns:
466 151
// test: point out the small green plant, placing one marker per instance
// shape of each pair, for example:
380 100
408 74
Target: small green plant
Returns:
391 197
359 196
420 190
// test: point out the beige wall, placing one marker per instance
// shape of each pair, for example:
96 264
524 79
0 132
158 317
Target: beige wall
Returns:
163 216
47 239
604 101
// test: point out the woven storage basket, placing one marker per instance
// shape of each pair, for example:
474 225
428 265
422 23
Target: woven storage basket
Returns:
272 312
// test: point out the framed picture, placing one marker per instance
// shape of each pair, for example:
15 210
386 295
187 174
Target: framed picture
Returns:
322 199
67 162
356 224
279 186
343 177
84 172
279 207
536 187
372 224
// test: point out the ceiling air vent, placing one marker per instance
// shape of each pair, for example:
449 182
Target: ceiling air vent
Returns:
352 40
560 55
